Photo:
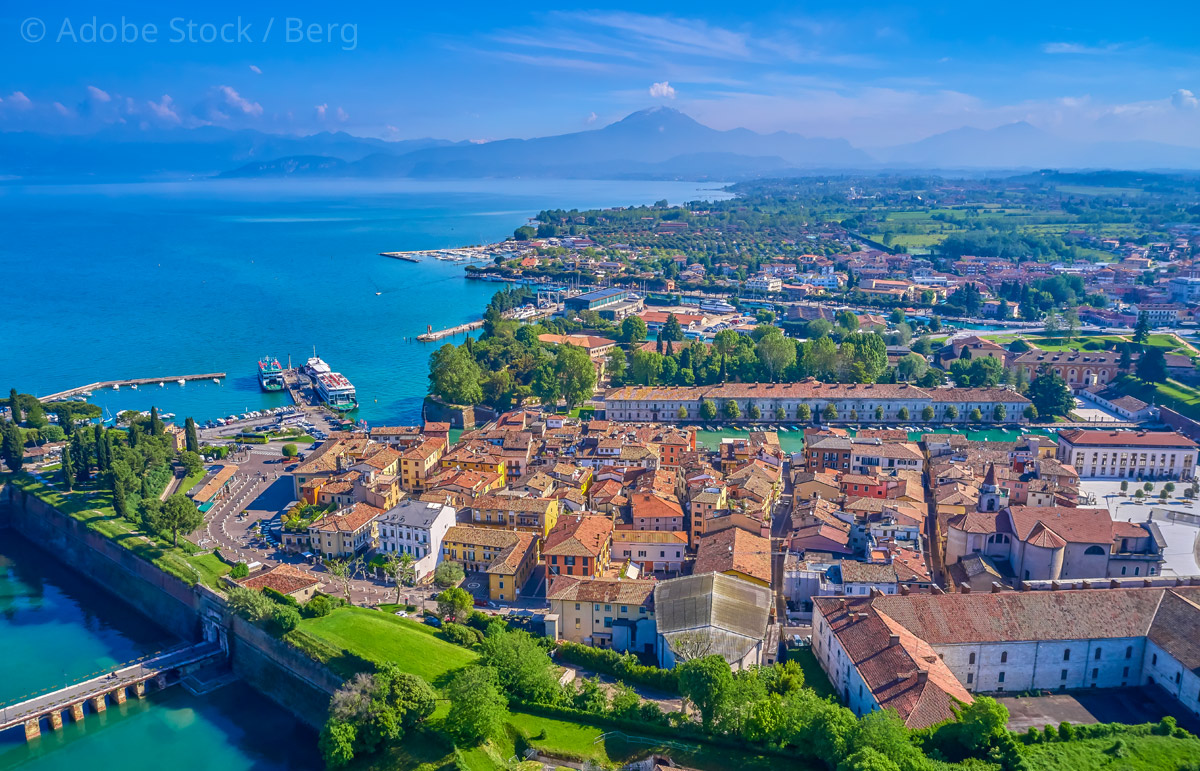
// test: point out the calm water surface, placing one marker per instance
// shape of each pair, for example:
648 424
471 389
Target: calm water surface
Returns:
161 279
55 626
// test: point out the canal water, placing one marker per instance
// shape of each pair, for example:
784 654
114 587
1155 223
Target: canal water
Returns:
210 276
56 627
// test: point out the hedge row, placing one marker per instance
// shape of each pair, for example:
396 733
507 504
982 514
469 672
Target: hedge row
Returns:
622 666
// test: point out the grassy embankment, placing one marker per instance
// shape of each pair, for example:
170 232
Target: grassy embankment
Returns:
92 506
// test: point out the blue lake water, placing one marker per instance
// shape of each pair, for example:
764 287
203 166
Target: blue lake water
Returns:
162 279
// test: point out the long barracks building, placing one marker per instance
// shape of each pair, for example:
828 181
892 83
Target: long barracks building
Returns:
854 402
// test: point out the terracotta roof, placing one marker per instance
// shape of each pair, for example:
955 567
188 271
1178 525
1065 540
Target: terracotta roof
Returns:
867 572
1174 628
284 579
1072 525
349 519
579 536
510 503
1127 439
622 592
653 505
480 536
737 550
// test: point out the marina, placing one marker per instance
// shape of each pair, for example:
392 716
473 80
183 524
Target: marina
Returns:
430 335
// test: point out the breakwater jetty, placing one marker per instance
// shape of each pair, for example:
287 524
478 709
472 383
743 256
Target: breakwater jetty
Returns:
432 335
130 382
406 256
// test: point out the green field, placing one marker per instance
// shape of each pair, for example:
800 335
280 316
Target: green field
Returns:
1182 398
382 637
210 567
1096 190
814 676
1141 753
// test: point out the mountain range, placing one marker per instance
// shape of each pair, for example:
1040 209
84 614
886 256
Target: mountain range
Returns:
658 143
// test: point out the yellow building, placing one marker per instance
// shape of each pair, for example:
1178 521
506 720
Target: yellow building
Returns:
474 458
592 611
530 515
508 558
345 532
417 464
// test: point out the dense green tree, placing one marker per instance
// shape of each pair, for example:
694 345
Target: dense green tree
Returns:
708 410
732 410
66 474
633 329
821 359
177 515
191 439
902 413
12 446
927 414
478 708
454 376
1141 333
1126 360
646 367
576 375
81 456
336 742
829 413
156 424
14 406
705 682
999 413
448 574
1152 366
523 667
776 353
1050 394
672 332
884 732
976 415
754 413
863 358
951 412
912 367
847 320
454 603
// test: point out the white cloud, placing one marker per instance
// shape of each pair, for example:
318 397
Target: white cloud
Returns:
254 68
236 100
18 100
662 90
62 109
98 94
341 115
321 108
1184 99
164 109
591 118
1080 48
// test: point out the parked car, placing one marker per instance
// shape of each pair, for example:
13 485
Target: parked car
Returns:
433 620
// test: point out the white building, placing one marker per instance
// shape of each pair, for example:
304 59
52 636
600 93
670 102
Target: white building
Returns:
881 650
764 284
1128 454
417 528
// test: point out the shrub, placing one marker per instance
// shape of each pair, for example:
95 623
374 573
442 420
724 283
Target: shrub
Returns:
318 607
240 570
279 597
1066 731
479 620
290 451
461 635
625 667
448 574
285 619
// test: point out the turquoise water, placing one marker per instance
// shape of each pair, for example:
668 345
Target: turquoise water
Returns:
161 279
55 626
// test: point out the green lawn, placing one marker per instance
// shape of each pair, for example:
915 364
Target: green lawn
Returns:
1182 398
382 637
1143 753
191 480
814 676
210 567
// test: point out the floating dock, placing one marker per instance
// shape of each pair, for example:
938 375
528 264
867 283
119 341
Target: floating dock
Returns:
61 395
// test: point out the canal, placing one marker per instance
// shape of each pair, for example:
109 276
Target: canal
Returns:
57 627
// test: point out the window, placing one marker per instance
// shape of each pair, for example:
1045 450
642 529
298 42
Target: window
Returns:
1097 654
1062 675
577 606
1001 679
1129 652
970 677
1125 672
1095 673
972 659
1003 658
1067 655
1154 659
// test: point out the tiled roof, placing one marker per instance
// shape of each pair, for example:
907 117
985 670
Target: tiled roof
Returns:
1072 525
579 536
622 592
508 503
1127 439
867 572
1175 627
652 505
737 550
347 520
480 536
284 579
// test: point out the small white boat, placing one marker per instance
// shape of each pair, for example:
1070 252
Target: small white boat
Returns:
161 384
181 381
116 387
134 386
86 393
217 380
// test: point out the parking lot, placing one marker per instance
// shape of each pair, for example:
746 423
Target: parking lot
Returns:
1115 705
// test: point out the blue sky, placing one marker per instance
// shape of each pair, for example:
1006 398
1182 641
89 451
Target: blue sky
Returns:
876 74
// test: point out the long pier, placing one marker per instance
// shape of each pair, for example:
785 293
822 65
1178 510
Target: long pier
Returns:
55 397
429 337
99 689
406 256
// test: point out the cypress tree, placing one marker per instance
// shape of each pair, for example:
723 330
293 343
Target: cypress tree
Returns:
12 447
133 435
156 425
14 405
190 437
102 460
67 477
120 505
82 470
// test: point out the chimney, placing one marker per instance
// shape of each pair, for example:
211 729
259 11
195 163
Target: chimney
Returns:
1114 584
964 587
996 587
1055 586
893 639
904 590
1085 584
935 589
922 677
